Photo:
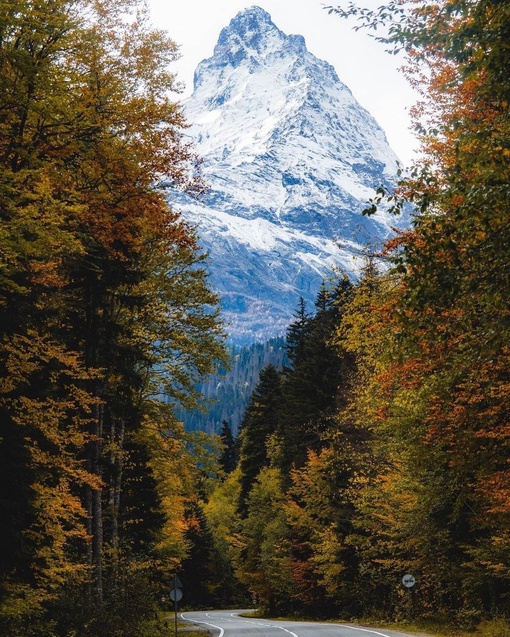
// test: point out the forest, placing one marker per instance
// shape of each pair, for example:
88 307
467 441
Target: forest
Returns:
225 393
379 449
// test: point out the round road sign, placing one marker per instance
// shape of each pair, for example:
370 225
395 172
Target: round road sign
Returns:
408 581
176 594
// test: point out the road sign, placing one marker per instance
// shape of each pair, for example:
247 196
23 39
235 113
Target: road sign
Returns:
176 582
408 581
176 594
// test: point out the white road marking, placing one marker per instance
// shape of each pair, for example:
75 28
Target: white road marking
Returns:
364 630
205 623
287 631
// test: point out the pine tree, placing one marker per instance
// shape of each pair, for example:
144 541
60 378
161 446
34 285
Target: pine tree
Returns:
297 332
198 569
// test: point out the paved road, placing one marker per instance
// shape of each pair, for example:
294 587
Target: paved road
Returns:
231 624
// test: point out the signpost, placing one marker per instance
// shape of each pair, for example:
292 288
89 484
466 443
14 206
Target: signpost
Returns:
175 596
409 581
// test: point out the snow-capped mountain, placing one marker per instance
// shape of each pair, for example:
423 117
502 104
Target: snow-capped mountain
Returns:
291 159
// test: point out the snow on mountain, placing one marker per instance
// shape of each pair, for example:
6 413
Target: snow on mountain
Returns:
291 159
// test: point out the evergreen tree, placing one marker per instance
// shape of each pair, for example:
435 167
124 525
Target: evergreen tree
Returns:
228 458
297 332
318 379
259 423
198 569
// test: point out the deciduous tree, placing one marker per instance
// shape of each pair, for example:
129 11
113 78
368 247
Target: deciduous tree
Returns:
104 302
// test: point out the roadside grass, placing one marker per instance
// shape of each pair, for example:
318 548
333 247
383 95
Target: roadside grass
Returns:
426 628
495 628
164 626
492 628
153 629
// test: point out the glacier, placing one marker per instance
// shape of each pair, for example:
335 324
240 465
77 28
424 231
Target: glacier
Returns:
291 159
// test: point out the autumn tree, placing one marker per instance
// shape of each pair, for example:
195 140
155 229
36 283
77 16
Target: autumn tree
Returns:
104 300
446 398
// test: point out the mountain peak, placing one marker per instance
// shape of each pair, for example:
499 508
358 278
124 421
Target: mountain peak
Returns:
252 41
251 19
291 159
250 35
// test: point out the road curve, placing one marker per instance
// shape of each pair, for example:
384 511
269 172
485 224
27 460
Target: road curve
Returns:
229 623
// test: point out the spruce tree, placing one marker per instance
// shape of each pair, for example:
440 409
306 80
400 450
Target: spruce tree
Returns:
259 423
319 375
297 332
228 458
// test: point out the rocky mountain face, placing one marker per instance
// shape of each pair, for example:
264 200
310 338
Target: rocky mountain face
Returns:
291 159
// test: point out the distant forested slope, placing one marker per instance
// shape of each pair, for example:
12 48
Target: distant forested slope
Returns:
226 393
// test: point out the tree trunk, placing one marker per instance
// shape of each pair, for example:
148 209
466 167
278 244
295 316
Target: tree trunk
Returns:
116 472
97 508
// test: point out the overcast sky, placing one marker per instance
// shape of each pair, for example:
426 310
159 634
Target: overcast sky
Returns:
361 63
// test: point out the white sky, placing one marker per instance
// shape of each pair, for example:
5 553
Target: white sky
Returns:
361 63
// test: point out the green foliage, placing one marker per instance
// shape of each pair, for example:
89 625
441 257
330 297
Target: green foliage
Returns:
281 550
224 524
228 458
264 564
198 570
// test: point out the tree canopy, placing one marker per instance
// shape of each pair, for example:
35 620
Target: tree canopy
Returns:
104 306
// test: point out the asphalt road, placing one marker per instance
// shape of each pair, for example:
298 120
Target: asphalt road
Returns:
229 623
